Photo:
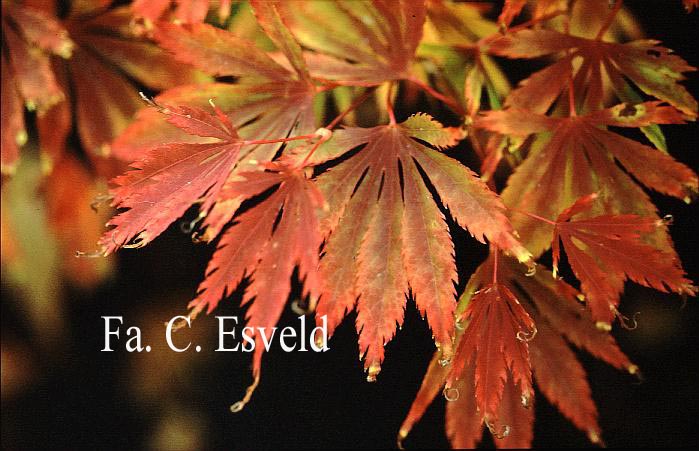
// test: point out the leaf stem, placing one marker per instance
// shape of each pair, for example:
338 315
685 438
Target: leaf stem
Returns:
486 39
453 104
280 140
532 215
495 264
571 88
389 104
571 97
358 101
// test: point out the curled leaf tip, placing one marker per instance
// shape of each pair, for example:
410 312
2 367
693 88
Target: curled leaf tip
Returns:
239 405
499 433
373 371
93 254
450 393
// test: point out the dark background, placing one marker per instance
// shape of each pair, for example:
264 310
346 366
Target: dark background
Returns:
85 397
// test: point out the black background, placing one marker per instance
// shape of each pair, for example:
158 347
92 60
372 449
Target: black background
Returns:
322 400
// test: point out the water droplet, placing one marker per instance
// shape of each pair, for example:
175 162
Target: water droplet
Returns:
526 400
668 219
450 393
581 297
444 362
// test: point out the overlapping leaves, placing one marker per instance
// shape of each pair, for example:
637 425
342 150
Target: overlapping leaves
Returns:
576 156
553 307
370 232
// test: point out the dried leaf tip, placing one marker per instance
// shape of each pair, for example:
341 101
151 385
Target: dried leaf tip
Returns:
373 371
594 437
498 433
238 406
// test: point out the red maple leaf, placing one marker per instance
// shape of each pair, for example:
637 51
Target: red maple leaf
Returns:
29 37
266 243
554 307
106 62
171 177
653 69
494 344
357 42
579 151
268 101
101 63
604 251
387 235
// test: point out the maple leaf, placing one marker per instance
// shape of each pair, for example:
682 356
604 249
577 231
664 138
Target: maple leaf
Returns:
605 250
148 129
578 152
107 60
265 243
357 42
98 63
29 37
269 100
655 70
171 177
493 342
387 235
553 306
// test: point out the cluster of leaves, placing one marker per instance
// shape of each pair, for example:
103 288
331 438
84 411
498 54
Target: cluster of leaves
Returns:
359 214
71 72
